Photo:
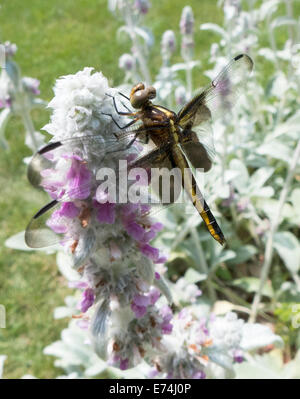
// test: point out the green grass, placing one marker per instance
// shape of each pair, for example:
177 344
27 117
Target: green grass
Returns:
57 38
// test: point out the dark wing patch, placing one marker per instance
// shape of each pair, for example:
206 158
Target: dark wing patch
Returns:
168 187
196 152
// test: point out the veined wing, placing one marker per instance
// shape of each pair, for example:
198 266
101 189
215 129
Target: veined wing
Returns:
47 226
219 96
65 221
88 148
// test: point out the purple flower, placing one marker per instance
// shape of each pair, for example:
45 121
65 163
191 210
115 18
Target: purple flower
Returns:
127 62
153 373
57 223
88 298
202 326
168 43
150 252
135 230
6 103
83 324
142 6
199 375
167 316
157 275
105 213
154 295
10 49
78 284
161 259
238 356
187 21
242 204
78 178
157 226
124 363
139 305
31 85
69 210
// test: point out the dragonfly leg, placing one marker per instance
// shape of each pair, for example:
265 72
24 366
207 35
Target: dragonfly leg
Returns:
116 123
123 95
127 145
115 105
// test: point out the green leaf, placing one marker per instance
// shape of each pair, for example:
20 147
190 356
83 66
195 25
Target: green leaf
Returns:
259 177
257 336
288 248
2 360
222 257
270 365
215 28
4 118
64 264
282 21
145 34
270 207
288 127
251 284
241 181
192 276
242 254
17 241
275 149
13 71
268 8
162 285
295 200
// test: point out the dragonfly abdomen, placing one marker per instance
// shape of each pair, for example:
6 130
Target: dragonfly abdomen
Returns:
190 185
212 224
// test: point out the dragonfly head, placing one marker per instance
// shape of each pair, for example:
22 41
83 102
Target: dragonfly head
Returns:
140 96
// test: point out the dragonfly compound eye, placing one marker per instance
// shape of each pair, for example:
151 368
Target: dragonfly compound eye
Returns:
139 95
138 98
151 92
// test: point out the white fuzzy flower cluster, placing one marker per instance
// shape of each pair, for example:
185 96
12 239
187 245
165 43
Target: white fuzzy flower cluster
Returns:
226 332
78 105
198 345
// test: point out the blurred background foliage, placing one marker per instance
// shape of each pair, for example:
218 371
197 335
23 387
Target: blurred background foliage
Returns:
59 38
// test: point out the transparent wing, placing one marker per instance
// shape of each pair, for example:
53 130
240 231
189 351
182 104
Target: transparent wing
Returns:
219 96
38 233
65 222
88 148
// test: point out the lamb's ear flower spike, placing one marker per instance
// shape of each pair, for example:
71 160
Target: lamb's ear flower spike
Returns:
187 32
168 46
110 246
18 95
112 249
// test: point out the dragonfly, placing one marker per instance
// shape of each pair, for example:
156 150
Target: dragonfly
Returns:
174 140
